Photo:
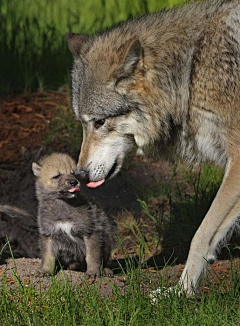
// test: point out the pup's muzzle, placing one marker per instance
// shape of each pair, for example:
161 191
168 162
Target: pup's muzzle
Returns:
73 182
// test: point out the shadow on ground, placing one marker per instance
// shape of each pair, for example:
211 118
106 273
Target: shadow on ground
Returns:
24 121
18 189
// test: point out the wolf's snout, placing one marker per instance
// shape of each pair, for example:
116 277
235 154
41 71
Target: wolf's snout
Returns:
82 173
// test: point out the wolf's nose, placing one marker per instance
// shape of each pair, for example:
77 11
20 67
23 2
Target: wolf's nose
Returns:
81 173
73 182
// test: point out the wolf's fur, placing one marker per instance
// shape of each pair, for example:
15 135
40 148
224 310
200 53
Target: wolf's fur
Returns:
168 83
72 230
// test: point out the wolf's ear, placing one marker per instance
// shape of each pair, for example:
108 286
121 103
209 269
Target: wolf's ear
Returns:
133 53
77 43
36 169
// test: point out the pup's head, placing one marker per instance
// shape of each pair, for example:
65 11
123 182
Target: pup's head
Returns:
108 91
55 176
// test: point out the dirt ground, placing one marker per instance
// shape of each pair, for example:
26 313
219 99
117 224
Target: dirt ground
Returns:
27 268
24 123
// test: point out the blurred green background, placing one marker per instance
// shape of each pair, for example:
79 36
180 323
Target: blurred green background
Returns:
33 50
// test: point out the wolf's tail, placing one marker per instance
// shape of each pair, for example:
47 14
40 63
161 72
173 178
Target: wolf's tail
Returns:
14 212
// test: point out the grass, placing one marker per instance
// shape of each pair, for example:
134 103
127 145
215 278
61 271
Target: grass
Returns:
85 305
33 49
60 132
35 56
173 210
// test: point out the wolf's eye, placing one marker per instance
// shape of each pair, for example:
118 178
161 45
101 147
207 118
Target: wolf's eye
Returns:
99 123
56 176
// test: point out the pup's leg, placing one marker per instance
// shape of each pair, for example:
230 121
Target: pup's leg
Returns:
107 250
48 259
93 254
223 210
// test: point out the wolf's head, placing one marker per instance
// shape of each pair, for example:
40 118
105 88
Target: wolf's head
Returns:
55 176
109 92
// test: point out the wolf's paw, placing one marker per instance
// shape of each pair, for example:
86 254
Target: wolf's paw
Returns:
177 290
211 259
107 272
162 293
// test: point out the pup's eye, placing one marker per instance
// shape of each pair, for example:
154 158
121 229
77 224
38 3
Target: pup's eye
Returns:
99 123
56 176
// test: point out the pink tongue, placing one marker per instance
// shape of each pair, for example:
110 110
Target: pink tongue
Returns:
95 184
74 189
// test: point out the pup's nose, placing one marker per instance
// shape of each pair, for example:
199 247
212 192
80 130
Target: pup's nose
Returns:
73 182
82 173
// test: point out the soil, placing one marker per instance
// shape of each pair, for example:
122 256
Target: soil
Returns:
24 123
220 277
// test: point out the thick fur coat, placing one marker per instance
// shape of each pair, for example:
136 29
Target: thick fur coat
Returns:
169 84
72 230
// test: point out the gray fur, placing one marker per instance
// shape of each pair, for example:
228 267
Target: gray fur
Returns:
189 56
168 84
68 224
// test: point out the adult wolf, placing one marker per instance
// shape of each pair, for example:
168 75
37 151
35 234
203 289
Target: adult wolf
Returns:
168 83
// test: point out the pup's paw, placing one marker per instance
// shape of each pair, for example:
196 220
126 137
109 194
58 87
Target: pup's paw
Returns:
107 272
90 274
43 273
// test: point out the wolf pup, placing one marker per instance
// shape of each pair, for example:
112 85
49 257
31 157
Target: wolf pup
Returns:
72 230
169 84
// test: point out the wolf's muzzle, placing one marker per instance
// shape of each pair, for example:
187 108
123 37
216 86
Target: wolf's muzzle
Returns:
82 173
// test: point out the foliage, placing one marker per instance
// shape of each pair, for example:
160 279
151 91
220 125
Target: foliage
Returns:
64 132
85 305
33 50
179 205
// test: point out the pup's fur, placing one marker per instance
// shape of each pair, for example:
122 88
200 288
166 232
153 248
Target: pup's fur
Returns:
72 230
168 83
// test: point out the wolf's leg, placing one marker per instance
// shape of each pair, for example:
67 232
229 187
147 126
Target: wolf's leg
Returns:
48 259
224 209
93 254
222 231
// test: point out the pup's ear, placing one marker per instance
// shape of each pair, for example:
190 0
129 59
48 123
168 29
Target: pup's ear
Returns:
130 53
77 43
36 169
